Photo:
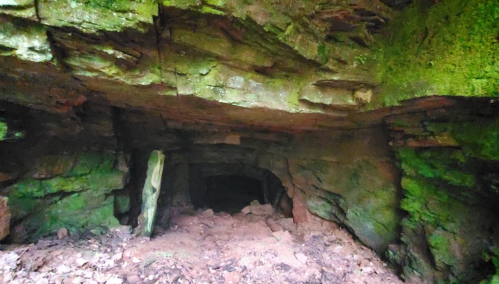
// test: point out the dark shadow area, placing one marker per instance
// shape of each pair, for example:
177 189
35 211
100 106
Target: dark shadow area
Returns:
231 193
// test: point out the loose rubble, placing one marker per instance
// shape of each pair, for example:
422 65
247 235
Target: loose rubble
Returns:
203 247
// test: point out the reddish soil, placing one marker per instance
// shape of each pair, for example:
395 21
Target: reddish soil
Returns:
199 248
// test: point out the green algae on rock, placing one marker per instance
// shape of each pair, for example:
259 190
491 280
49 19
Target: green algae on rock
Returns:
76 198
448 194
449 48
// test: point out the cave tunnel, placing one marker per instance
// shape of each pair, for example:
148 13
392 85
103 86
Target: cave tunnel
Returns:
231 193
227 188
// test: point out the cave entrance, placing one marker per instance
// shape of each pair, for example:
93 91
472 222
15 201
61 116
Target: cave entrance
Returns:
231 193
229 188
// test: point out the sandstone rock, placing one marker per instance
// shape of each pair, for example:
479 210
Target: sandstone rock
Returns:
273 225
301 257
133 279
4 217
7 176
208 213
363 95
260 210
246 210
62 233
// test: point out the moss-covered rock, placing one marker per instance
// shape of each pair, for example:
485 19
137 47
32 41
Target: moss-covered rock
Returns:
444 48
449 195
28 41
98 15
77 198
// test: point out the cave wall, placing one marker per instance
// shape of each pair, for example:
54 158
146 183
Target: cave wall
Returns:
62 172
347 177
264 85
433 215
450 164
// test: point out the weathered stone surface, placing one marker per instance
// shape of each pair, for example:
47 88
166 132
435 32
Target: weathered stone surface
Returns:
348 181
448 192
150 193
73 196
4 217
253 55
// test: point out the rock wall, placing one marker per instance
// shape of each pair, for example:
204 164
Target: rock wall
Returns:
347 177
450 164
61 172
4 217
74 192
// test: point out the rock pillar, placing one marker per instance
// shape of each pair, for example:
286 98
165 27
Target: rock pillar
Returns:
150 193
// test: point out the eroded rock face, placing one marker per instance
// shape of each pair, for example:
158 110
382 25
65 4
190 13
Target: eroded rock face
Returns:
4 217
449 159
70 192
285 57
246 87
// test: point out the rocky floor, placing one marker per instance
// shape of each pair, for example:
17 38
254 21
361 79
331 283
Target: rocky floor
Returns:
200 247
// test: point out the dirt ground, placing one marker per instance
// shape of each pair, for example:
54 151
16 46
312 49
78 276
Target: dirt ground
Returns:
199 247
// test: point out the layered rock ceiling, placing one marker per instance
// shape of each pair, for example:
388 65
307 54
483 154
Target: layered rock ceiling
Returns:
274 64
380 116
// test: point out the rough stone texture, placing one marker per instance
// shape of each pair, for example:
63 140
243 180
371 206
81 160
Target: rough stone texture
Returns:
237 87
4 217
450 187
443 48
260 55
60 173
150 193
348 178
74 197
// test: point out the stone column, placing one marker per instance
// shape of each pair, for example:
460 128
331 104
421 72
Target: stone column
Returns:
4 217
150 193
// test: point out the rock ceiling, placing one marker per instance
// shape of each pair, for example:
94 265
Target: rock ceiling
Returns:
295 65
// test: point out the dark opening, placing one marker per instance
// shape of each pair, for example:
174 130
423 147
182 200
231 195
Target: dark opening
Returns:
231 193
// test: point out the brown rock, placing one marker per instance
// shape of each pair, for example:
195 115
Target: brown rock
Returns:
246 210
273 225
62 233
133 279
4 217
265 209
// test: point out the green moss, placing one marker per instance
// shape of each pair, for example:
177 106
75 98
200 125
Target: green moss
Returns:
321 208
209 10
480 138
76 199
109 4
441 164
3 130
323 53
494 258
449 48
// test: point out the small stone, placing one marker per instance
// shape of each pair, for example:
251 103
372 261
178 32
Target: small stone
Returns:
133 279
208 213
246 210
114 280
367 270
301 257
117 256
80 262
127 254
338 249
62 233
260 210
62 269
57 279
